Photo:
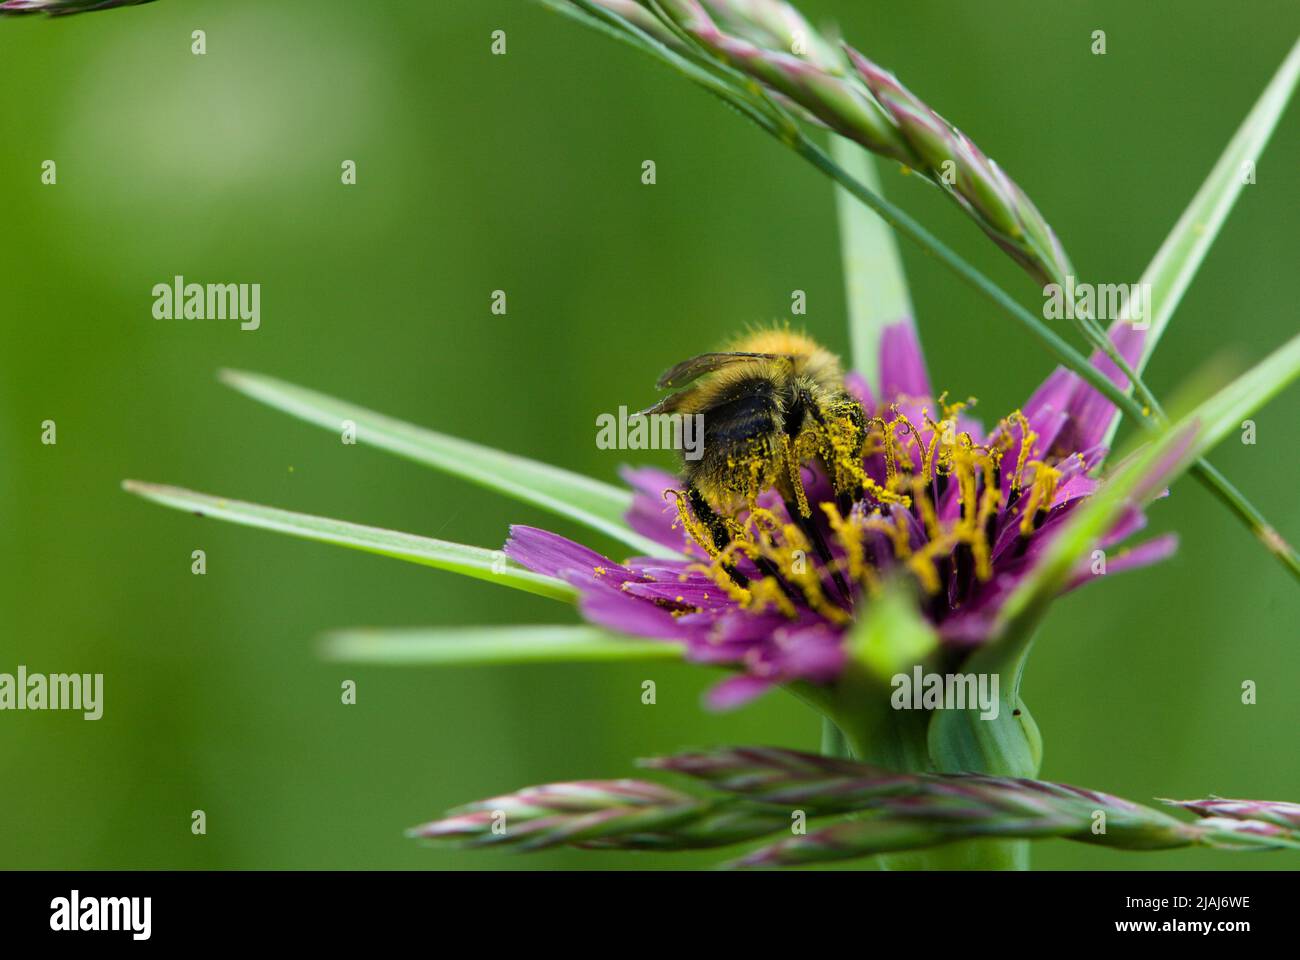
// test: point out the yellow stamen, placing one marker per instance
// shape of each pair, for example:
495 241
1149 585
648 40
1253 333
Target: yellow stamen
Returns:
1027 439
1041 493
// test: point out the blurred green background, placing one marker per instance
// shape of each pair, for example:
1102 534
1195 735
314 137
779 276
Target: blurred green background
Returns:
522 173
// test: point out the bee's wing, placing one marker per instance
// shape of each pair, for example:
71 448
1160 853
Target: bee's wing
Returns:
668 404
696 367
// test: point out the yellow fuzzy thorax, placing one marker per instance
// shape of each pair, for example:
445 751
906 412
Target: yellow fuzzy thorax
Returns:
779 339
810 358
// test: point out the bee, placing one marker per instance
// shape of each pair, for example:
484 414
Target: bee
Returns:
773 402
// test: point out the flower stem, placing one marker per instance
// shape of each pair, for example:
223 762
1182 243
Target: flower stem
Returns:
896 740
834 743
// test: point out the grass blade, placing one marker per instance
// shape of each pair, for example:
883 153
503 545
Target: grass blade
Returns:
483 564
875 287
598 505
478 646
1223 413
1180 256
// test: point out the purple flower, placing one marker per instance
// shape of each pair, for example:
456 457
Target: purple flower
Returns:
963 512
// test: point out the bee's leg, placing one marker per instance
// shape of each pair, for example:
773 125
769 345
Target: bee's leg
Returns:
844 496
705 514
852 411
809 524
847 499
718 531
722 536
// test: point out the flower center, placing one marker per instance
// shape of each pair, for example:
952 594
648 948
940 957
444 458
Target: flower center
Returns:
933 506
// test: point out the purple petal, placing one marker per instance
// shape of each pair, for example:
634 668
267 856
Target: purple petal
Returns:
744 628
1051 397
736 691
544 552
661 569
1091 411
813 653
902 365
648 480
609 606
1131 521
1074 488
703 593
1143 555
857 386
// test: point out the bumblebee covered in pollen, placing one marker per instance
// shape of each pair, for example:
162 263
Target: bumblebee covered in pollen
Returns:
772 403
